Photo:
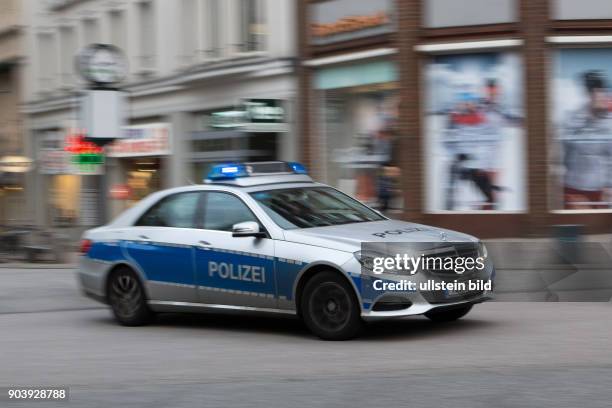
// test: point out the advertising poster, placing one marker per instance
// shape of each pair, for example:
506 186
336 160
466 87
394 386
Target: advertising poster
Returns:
474 144
581 165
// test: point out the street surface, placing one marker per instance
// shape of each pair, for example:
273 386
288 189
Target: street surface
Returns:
502 355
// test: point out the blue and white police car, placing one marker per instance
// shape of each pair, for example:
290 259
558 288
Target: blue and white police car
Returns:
257 237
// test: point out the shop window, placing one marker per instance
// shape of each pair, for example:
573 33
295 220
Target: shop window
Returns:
142 178
361 144
222 211
65 192
177 211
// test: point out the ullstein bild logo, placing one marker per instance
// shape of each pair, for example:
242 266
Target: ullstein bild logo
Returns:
350 24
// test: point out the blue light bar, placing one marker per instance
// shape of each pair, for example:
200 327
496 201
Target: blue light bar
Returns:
227 171
298 168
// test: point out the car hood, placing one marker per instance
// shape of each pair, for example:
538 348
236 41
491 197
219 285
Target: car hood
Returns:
349 237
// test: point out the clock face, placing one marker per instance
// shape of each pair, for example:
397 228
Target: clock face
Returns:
102 64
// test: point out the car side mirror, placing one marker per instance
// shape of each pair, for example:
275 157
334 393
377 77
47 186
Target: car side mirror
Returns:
247 229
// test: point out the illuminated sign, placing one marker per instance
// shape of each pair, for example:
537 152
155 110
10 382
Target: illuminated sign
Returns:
349 24
86 156
252 111
335 21
153 139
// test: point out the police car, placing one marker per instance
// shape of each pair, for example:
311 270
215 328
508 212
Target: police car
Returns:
257 237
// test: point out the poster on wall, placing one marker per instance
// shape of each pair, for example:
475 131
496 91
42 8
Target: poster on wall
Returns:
581 162
475 148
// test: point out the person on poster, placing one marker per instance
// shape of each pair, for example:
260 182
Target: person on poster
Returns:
473 135
586 142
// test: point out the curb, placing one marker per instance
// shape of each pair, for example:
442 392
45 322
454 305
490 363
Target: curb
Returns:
36 266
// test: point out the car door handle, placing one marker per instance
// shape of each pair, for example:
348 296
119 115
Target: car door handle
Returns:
203 243
144 237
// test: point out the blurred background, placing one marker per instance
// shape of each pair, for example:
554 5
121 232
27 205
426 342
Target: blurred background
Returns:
489 116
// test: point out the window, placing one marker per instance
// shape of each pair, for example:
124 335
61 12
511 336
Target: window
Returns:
252 25
47 61
147 41
189 31
178 211
222 211
118 27
68 49
212 33
91 33
313 207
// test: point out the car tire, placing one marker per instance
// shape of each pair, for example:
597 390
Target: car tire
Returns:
448 315
330 308
127 298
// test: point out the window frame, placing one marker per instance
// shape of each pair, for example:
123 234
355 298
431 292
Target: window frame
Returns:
197 216
205 203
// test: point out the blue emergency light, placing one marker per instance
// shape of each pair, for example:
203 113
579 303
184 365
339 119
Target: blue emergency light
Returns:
298 168
227 171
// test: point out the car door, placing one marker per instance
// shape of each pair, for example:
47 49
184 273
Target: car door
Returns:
160 245
238 271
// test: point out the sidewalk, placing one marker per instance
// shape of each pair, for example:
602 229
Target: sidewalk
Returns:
71 264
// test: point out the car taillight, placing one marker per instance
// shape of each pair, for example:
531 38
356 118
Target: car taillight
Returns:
85 246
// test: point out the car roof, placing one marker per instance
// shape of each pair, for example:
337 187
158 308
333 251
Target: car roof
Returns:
262 179
272 185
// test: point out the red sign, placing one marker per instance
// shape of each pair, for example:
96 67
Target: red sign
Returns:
120 192
76 144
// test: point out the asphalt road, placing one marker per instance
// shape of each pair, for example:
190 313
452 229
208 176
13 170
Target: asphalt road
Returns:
501 355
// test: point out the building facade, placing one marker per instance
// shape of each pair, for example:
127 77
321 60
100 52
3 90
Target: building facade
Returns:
489 116
208 80
11 125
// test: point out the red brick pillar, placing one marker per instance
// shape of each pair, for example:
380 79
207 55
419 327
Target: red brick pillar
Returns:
534 26
411 161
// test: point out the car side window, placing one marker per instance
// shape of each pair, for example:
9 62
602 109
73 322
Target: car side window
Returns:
223 210
177 210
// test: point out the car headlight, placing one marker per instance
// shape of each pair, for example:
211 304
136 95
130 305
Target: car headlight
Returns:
366 259
482 250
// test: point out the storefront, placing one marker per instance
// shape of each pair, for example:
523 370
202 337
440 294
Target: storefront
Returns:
137 163
494 119
69 186
354 114
358 105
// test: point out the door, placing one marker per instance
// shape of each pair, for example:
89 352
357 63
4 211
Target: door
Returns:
237 271
160 244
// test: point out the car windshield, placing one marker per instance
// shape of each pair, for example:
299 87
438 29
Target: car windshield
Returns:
312 207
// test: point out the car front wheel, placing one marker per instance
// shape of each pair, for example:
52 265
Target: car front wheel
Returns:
330 308
127 298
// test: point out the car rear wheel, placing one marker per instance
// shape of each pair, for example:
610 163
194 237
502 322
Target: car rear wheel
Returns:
448 315
127 298
330 308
